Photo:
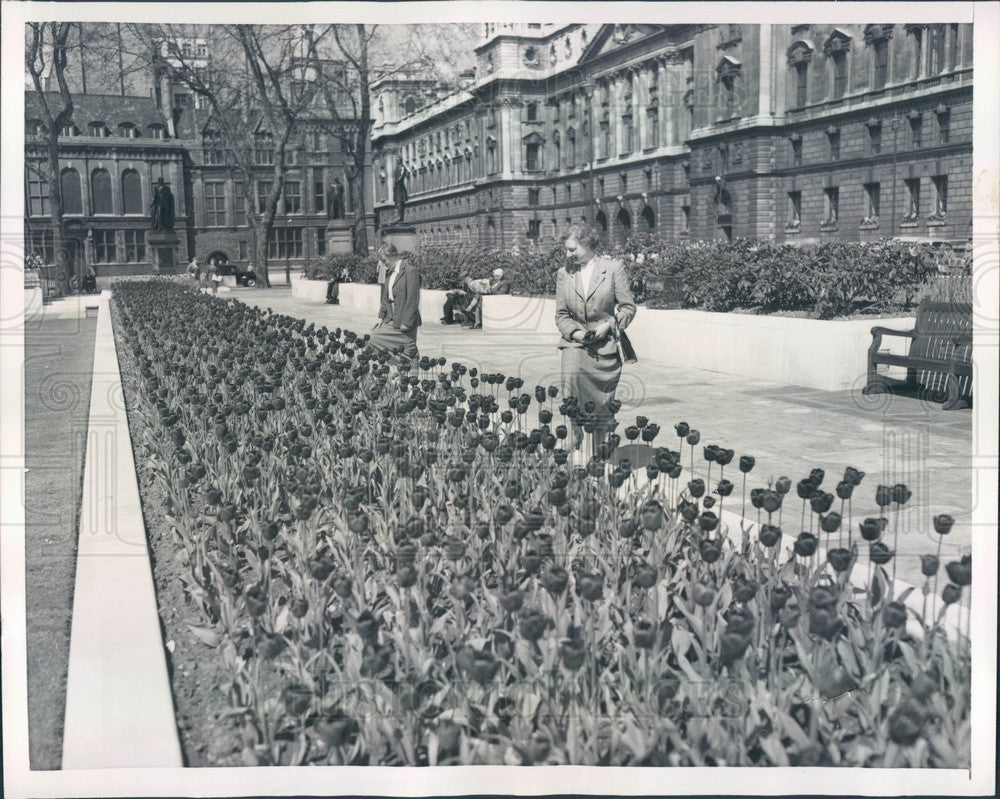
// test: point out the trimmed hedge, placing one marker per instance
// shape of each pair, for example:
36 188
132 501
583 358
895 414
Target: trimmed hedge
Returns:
831 279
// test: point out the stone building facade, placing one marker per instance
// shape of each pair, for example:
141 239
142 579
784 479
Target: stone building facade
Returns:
785 132
117 148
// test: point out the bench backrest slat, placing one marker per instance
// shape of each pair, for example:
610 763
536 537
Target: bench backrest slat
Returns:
937 323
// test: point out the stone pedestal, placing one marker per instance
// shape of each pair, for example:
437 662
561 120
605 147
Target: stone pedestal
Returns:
338 237
163 251
403 237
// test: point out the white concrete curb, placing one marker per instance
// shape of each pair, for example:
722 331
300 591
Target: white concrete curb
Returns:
119 707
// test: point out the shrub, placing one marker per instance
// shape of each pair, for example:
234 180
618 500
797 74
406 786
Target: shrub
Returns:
326 267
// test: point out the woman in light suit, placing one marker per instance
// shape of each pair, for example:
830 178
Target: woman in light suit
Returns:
399 311
592 297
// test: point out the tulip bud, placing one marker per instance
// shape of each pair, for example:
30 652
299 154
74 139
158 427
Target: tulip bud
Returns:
632 432
929 565
943 524
725 488
830 523
960 572
747 463
871 529
805 544
772 501
644 634
555 580
879 553
805 489
682 429
769 535
783 485
703 594
757 497
693 438
696 487
894 614
840 559
951 594
708 502
572 654
646 576
901 494
844 489
883 496
708 521
906 724
710 551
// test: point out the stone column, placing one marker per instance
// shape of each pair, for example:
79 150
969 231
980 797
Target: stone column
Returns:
506 141
765 73
666 107
638 122
924 36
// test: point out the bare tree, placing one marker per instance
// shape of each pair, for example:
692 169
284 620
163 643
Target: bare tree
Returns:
47 50
249 89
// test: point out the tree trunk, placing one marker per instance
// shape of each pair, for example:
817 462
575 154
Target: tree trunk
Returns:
60 252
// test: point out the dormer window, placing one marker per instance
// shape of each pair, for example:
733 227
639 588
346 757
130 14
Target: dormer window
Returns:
69 130
157 132
128 131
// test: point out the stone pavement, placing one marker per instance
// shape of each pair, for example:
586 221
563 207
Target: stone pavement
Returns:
788 429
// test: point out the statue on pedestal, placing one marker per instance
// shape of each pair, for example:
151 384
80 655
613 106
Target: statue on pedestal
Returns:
162 209
399 190
336 208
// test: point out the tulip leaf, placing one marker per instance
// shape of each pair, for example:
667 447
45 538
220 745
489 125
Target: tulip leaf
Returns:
206 635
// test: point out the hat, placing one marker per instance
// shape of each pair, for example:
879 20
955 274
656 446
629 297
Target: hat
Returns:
498 272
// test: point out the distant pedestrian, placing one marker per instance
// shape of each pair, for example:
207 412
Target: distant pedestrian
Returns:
195 271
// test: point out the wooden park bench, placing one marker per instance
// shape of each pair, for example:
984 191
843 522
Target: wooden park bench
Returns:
939 358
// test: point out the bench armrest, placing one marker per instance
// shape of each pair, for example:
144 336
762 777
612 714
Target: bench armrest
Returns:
887 331
965 338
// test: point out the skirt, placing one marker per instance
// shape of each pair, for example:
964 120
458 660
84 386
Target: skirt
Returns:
387 337
591 378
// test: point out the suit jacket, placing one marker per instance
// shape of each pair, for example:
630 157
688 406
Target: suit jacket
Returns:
609 296
404 310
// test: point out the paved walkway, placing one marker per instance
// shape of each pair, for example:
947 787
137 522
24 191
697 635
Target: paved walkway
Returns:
788 429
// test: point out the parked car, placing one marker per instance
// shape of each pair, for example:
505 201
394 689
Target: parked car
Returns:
245 275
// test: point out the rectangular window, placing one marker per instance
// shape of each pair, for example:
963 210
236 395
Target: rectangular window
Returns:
944 127
318 141
531 157
292 197
801 83
873 197
243 250
839 75
913 199
38 198
532 112
686 218
653 126
320 241
42 245
319 197
605 140
263 190
285 242
533 196
940 195
135 246
832 202
569 192
215 203
875 138
916 130
104 247
935 50
794 209
796 152
534 229
881 55
239 203
628 131
834 138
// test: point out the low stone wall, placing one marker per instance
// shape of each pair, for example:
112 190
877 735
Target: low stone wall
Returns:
816 353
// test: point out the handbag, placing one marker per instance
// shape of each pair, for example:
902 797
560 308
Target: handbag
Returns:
625 349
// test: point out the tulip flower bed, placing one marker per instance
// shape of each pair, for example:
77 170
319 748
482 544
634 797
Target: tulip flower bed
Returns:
393 564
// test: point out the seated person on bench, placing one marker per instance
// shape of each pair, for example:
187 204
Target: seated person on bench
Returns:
472 314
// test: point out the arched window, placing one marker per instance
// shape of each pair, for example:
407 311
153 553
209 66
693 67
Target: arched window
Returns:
877 37
799 57
127 130
571 142
602 222
72 197
98 129
409 105
100 189
649 217
728 76
131 192
625 220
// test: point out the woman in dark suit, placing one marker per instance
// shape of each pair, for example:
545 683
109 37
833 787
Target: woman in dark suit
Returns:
592 298
399 312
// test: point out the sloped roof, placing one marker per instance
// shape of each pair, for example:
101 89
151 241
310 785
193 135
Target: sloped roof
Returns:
111 109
